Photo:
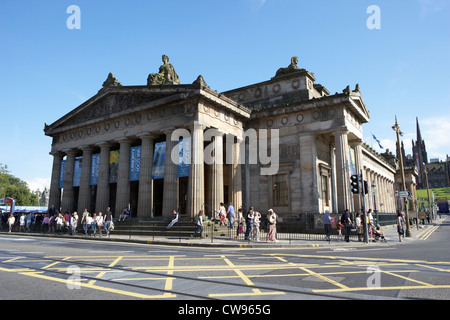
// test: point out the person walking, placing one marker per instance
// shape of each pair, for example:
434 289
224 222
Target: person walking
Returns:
222 214
272 226
108 220
230 213
249 217
22 223
199 223
400 226
326 220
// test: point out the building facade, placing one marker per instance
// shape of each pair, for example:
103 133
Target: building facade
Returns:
284 143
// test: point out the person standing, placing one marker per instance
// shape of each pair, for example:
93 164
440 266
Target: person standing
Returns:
400 226
272 226
347 225
83 220
326 220
199 225
249 217
11 221
359 228
99 223
222 214
230 213
74 223
256 225
22 223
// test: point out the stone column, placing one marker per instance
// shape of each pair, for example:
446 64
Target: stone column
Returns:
102 199
196 184
342 176
236 175
123 177
145 198
217 174
308 174
170 194
55 192
84 195
68 196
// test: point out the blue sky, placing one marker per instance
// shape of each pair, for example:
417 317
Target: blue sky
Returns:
46 69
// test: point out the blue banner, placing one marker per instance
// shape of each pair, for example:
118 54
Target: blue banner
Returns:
184 157
62 171
135 163
95 166
77 171
158 161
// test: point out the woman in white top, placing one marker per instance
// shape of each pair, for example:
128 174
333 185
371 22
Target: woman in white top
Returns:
74 223
11 221
99 220
88 223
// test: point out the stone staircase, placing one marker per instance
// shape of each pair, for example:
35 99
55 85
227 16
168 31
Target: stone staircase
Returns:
185 227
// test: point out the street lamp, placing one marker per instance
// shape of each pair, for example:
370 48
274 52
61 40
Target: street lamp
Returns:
396 128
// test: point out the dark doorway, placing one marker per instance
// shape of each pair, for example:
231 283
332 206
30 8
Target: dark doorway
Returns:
182 194
158 187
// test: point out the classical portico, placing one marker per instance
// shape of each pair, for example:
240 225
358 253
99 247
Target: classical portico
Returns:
125 147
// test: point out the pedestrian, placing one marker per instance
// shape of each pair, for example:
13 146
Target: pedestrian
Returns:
400 226
108 220
174 219
249 217
51 224
45 223
67 218
83 220
89 224
256 225
230 213
347 224
272 226
339 227
326 220
94 224
59 223
240 223
74 223
359 229
222 214
28 222
99 221
22 223
199 224
11 221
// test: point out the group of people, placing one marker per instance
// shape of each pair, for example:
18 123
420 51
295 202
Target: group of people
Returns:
252 221
58 223
345 223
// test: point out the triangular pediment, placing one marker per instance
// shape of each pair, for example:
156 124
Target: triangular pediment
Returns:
108 104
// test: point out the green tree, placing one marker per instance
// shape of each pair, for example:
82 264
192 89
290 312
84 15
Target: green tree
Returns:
13 187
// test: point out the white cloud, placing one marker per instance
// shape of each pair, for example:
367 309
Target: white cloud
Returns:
435 132
428 7
38 183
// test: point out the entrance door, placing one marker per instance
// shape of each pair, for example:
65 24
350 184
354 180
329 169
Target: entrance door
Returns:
158 187
182 194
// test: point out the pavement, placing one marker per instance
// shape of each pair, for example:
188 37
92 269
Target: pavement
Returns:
390 233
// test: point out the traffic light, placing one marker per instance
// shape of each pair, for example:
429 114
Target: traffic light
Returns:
354 183
366 187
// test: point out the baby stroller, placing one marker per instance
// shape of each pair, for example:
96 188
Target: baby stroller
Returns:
377 234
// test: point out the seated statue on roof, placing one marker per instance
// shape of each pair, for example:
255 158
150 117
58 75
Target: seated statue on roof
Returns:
166 75
291 68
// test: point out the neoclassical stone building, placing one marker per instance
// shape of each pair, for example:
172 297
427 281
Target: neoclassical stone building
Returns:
122 147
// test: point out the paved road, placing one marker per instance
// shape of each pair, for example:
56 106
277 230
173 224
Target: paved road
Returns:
65 268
